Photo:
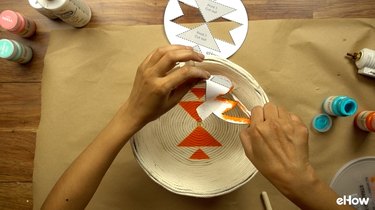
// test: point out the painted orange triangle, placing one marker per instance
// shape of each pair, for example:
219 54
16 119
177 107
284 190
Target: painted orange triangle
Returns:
199 137
199 92
199 155
191 108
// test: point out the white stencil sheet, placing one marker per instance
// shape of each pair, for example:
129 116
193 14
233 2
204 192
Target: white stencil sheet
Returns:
201 37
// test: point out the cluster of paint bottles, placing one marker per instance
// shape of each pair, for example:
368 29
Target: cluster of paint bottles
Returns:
74 12
16 23
343 106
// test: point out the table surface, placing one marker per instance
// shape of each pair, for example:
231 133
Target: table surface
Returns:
20 85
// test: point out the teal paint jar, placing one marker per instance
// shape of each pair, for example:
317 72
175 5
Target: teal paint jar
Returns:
340 106
14 51
322 123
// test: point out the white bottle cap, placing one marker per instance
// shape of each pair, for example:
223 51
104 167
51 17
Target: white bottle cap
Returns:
38 7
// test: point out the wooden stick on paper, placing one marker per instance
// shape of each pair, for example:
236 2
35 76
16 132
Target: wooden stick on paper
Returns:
266 200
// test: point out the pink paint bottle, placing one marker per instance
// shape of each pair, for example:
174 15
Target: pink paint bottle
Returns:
15 23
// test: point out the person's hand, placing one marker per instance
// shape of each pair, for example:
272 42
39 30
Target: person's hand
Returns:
276 143
157 88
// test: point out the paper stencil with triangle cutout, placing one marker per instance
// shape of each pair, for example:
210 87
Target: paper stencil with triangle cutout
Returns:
201 37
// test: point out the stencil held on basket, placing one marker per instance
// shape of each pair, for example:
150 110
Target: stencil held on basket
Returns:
218 86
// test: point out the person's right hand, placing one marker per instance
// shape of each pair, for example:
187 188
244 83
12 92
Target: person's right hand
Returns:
276 142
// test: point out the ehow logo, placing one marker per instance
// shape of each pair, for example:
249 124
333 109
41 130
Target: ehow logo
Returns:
352 200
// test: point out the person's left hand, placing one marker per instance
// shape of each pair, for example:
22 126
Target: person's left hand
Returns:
156 88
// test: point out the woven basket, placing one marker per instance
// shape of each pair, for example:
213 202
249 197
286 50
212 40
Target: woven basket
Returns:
200 159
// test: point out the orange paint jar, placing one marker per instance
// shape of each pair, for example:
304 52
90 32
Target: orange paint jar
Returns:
365 120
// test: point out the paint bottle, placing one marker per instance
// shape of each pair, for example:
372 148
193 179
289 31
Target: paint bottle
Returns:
365 120
14 51
74 12
15 23
35 4
365 61
341 106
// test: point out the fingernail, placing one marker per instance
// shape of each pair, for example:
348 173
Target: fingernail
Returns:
201 55
207 74
189 48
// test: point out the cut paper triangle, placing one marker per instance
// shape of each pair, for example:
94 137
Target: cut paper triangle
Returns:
199 155
200 35
191 108
199 138
212 10
199 92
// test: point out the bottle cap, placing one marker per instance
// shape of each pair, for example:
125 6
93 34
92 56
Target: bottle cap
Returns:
9 20
322 122
7 49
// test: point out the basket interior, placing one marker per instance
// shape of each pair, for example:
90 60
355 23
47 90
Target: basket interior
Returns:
201 159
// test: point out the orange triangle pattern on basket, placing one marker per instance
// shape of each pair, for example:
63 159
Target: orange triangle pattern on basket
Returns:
199 138
199 155
191 108
198 92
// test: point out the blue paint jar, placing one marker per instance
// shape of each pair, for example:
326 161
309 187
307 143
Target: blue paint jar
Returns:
341 106
322 123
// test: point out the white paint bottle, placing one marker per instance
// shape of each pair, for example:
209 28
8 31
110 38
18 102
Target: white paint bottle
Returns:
35 4
365 61
74 12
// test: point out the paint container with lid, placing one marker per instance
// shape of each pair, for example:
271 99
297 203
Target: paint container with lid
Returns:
365 120
14 51
74 12
35 4
365 61
15 23
322 123
340 106
355 181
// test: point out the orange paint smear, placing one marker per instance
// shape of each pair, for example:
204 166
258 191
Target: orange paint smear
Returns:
237 119
199 92
199 138
191 108
199 155
232 104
